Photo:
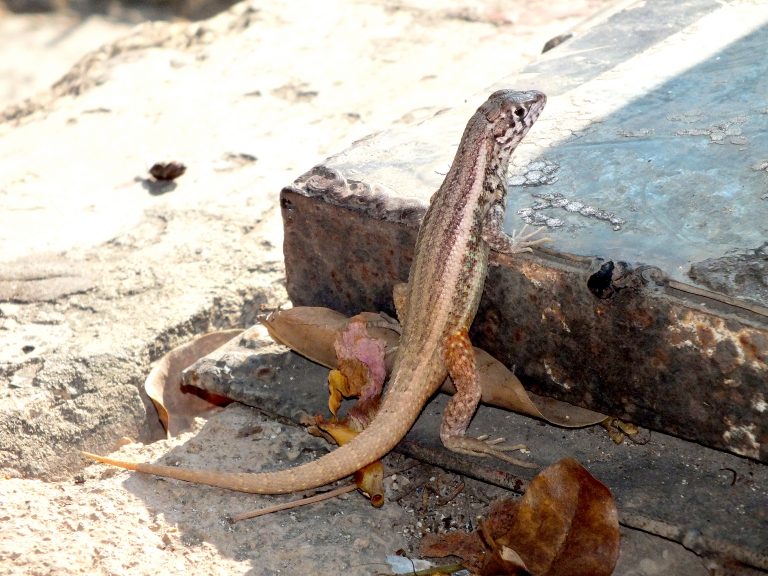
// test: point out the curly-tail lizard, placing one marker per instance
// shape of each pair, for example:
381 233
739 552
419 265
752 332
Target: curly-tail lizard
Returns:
461 226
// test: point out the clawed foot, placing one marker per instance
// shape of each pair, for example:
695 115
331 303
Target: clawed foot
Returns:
482 446
522 240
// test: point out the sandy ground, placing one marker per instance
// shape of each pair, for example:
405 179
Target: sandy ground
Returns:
423 40
406 57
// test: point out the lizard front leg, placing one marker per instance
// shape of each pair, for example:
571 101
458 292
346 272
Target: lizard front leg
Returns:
459 357
500 241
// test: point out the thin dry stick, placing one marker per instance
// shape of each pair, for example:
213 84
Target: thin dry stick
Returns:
294 503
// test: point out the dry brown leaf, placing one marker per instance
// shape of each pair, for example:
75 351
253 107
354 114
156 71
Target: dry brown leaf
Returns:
307 330
370 481
478 550
361 374
566 524
339 387
357 347
312 332
176 404
502 388
468 547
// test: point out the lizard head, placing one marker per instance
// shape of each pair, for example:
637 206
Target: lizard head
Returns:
510 114
506 117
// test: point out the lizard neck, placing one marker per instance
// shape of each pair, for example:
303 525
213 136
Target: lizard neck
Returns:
451 259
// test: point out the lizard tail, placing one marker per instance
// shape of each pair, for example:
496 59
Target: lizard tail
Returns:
392 422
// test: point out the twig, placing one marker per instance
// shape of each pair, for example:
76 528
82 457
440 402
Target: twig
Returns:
458 489
294 503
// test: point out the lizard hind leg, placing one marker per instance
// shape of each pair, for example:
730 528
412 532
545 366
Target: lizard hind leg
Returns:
460 359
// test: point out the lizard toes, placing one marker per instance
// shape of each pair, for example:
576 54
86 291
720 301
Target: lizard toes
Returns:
496 441
481 446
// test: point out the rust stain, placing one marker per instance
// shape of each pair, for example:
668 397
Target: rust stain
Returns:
554 313
712 336
659 360
705 335
741 438
752 351
556 373
540 276
641 318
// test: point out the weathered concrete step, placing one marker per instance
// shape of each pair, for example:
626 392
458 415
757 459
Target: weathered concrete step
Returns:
711 502
651 303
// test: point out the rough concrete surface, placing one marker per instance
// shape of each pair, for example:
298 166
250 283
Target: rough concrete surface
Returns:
661 483
605 315
103 270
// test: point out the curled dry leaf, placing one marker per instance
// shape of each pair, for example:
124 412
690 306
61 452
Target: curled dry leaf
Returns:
361 374
307 330
176 404
618 430
361 414
354 346
339 387
566 524
502 388
370 481
469 547
362 371
312 332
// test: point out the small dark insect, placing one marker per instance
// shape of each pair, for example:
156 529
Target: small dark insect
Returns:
167 170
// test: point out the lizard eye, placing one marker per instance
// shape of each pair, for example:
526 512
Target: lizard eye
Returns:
520 112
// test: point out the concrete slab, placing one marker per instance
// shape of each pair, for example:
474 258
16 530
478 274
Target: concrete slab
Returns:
647 167
712 503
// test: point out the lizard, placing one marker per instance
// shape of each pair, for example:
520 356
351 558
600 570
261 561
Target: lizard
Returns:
462 224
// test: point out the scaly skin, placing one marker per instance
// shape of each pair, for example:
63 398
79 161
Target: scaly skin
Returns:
462 224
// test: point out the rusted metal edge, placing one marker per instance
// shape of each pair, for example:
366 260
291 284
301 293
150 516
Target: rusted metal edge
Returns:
675 286
682 293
